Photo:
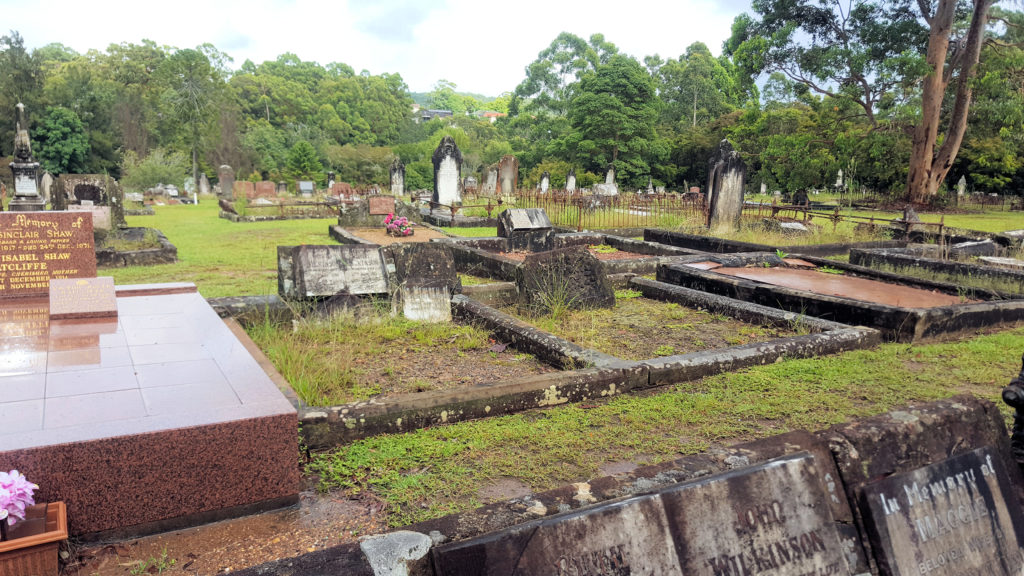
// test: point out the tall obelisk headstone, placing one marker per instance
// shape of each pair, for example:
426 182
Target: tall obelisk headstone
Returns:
24 168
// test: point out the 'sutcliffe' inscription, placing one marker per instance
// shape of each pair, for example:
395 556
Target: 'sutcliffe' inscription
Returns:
959 516
36 247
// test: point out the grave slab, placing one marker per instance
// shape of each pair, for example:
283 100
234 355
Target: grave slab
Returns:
960 516
38 246
316 271
72 298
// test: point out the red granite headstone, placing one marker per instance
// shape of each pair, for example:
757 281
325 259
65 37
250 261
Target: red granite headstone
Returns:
265 189
382 205
244 189
38 246
82 298
341 189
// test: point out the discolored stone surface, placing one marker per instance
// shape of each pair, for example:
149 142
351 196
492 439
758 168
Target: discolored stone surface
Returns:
572 277
380 205
72 298
314 271
527 229
38 246
960 516
426 276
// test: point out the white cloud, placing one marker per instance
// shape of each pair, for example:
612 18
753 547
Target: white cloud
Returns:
482 47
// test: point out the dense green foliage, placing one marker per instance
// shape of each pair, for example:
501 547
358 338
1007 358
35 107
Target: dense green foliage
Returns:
802 89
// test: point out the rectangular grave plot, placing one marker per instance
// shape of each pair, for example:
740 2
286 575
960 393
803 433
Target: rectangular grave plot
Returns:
772 518
957 517
629 537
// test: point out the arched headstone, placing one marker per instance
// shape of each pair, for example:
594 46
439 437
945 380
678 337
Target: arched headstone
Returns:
447 160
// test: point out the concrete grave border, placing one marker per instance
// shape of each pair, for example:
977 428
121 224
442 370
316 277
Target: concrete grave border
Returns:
907 258
167 253
898 323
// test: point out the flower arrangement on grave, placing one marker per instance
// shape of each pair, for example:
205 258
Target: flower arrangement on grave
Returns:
398 226
15 495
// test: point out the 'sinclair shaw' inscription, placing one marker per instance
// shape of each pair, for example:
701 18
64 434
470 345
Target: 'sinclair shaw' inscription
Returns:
38 246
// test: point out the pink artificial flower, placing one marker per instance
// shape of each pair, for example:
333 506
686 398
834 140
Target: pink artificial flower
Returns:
15 494
389 218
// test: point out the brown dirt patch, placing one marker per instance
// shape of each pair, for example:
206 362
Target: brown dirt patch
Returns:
503 489
603 256
380 236
642 328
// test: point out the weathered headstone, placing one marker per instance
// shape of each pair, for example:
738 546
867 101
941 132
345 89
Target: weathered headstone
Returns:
306 188
381 205
330 180
527 229
318 271
447 160
397 173
490 181
24 169
204 183
839 179
244 190
956 517
469 185
101 219
426 277
264 189
764 188
46 185
226 180
568 277
961 186
975 248
545 182
726 176
508 174
650 185
73 298
341 189
38 246
608 188
189 185
570 180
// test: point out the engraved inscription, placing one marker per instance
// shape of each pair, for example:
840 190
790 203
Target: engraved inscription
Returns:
38 246
82 298
328 270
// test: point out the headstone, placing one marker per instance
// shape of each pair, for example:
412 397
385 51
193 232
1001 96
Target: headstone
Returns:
318 271
545 182
490 181
189 185
976 248
764 188
469 184
650 185
46 185
570 277
527 229
447 160
306 188
381 205
101 219
839 179
508 174
726 176
264 189
73 298
961 186
769 519
397 173
659 189
958 516
341 189
1012 263
226 180
244 190
570 180
330 180
426 277
39 246
204 183
24 169
172 190
609 177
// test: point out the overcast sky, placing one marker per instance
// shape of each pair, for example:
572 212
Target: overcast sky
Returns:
481 47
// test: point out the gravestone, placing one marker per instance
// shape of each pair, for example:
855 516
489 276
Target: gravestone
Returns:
397 173
264 189
650 185
204 183
839 179
955 517
545 182
101 219
609 177
36 247
381 205
527 229
508 174
244 190
490 180
570 180
608 188
24 169
46 186
320 271
330 180
771 519
341 189
764 188
447 160
961 186
975 248
226 180
469 185
726 177
282 188
570 277
74 298
800 198
306 188
189 185
427 279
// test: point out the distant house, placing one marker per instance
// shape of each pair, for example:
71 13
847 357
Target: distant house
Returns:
427 115
492 116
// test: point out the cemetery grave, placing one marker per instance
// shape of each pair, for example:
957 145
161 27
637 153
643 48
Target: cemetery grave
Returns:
982 265
904 308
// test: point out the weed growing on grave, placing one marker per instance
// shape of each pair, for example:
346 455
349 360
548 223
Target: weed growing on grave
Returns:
602 248
965 281
626 293
160 565
664 350
831 270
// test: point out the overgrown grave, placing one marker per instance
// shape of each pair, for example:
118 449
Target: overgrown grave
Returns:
983 267
140 387
904 308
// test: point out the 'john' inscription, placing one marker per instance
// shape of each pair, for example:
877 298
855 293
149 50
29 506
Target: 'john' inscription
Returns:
959 516
768 519
38 246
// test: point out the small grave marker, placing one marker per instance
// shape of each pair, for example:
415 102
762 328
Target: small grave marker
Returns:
72 298
315 271
527 229
958 516
38 246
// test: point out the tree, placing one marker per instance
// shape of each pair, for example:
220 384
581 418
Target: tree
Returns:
190 82
612 115
21 80
550 78
696 86
60 142
303 162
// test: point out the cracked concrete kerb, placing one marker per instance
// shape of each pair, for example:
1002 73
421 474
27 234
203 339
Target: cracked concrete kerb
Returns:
391 554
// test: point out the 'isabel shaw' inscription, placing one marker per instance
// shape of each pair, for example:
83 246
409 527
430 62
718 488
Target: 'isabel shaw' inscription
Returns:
38 246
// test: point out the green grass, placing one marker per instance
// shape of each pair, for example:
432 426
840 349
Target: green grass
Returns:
221 257
437 471
478 232
983 221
